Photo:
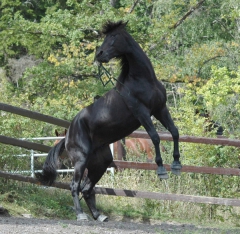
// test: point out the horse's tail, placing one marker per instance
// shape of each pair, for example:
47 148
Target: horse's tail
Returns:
49 172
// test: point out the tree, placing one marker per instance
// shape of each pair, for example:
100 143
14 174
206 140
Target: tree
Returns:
183 40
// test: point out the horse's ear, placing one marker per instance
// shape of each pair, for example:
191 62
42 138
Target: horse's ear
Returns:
124 24
56 132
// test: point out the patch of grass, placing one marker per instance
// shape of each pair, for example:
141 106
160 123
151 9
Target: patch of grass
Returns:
145 209
22 198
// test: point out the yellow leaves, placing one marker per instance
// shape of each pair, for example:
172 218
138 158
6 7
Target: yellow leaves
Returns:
53 59
127 9
200 53
173 78
193 2
124 10
72 55
91 46
71 84
236 88
235 44
71 50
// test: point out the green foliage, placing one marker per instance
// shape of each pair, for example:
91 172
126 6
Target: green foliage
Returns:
220 97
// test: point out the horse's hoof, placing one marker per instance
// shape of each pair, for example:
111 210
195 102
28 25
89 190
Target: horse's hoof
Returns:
176 168
102 218
82 217
162 173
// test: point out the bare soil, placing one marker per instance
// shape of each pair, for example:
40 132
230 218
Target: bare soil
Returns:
20 225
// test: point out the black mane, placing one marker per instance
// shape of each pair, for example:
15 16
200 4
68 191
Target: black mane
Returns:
110 26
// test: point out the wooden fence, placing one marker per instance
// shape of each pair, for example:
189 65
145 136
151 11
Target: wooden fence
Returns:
124 164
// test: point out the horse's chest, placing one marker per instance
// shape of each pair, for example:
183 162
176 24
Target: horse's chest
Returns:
143 95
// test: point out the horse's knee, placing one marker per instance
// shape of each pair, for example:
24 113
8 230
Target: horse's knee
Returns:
175 133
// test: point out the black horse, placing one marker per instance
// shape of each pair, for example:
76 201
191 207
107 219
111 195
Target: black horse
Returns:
137 95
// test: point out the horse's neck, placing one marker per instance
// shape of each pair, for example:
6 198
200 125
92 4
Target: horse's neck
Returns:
136 64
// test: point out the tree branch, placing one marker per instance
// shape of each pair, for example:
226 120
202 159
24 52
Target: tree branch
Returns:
83 76
208 60
133 6
51 33
187 14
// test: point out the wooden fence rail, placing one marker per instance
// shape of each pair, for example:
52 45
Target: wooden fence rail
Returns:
136 134
185 168
126 164
34 115
134 193
191 139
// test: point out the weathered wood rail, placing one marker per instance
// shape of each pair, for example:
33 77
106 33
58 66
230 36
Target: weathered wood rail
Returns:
134 193
34 115
125 164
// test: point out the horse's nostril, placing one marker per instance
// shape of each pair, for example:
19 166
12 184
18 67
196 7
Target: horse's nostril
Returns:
100 53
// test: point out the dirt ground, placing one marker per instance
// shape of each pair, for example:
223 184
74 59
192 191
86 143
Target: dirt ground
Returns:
22 225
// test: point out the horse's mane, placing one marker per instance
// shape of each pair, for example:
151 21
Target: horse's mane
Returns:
110 26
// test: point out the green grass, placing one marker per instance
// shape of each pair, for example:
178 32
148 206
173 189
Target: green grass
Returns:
22 198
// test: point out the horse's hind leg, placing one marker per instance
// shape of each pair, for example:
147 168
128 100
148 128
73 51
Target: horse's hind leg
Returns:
165 118
79 168
79 156
96 168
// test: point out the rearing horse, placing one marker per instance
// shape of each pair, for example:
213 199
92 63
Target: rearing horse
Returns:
137 95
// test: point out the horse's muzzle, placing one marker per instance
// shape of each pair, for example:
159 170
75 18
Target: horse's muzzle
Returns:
101 56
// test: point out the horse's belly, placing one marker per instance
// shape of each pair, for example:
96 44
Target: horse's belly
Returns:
117 128
111 119
112 126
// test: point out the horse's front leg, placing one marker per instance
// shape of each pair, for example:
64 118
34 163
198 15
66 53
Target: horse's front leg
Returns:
165 118
161 171
142 114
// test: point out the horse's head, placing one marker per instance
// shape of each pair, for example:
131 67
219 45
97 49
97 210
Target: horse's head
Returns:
115 42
